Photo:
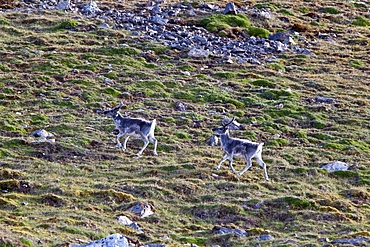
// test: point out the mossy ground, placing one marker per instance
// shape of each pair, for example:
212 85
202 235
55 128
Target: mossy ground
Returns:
72 191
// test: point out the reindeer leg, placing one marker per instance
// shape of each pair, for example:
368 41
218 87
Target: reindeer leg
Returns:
154 141
222 160
249 164
260 161
231 163
117 140
146 142
125 142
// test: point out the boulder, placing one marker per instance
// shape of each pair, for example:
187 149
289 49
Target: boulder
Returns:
230 9
110 241
336 166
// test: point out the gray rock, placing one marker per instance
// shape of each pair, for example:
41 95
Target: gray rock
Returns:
265 237
196 52
239 232
143 210
91 8
283 37
63 5
325 100
110 241
230 9
353 241
43 134
180 106
336 166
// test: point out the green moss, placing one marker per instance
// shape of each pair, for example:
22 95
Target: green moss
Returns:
319 124
263 83
277 66
85 82
186 68
275 94
112 91
225 75
331 10
286 12
183 135
4 68
194 240
277 142
333 146
304 10
298 203
217 22
13 128
317 24
258 32
235 103
266 6
4 22
91 67
66 24
111 75
26 241
112 51
301 134
40 117
346 174
356 64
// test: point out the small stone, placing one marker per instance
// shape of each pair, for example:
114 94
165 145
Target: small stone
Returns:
265 237
336 166
230 9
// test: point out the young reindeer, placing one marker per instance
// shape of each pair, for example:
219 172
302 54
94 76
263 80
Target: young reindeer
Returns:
134 127
236 147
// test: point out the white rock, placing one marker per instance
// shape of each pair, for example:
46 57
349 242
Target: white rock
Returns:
336 166
114 240
124 220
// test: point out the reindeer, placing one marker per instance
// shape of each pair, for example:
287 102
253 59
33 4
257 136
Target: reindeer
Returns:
134 127
236 147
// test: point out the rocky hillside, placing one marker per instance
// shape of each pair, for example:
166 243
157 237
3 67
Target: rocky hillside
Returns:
294 74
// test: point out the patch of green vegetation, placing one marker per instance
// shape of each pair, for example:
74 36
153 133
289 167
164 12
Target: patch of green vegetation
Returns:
225 75
356 64
331 10
26 241
186 68
361 21
66 24
286 12
266 6
4 67
346 174
113 51
275 94
85 82
183 135
304 10
157 48
317 24
13 128
194 240
236 103
330 145
217 22
4 22
263 83
111 91
277 142
298 203
258 32
319 124
277 66
300 134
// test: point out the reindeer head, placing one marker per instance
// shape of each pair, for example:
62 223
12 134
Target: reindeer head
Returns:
224 129
113 112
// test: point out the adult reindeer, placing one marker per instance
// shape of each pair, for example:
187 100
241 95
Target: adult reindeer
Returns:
134 127
236 147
